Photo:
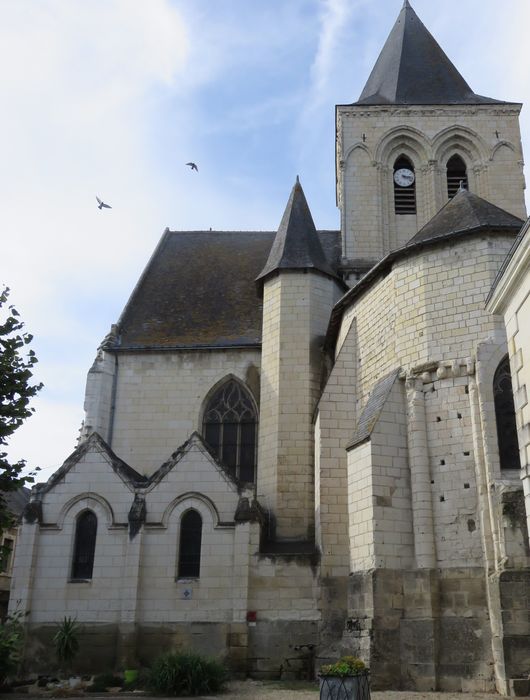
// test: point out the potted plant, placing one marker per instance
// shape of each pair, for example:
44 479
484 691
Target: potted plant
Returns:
347 679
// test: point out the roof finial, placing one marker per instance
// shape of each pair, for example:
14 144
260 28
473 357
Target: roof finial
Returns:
297 180
462 187
406 3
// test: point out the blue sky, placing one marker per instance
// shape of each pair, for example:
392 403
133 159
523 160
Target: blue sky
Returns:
113 97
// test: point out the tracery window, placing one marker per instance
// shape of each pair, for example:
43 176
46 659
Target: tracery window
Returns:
189 563
456 174
85 545
505 416
404 186
230 428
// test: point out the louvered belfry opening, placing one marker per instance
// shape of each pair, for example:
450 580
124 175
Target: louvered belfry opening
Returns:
456 174
404 196
189 565
505 416
230 427
85 545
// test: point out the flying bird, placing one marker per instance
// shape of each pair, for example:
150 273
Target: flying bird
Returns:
193 166
102 204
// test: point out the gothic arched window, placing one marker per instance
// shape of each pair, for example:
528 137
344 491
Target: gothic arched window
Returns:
404 186
456 174
505 416
86 528
230 428
189 564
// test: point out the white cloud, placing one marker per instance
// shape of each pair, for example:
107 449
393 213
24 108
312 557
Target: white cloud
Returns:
333 19
77 81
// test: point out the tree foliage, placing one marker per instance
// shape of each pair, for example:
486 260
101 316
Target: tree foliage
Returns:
16 392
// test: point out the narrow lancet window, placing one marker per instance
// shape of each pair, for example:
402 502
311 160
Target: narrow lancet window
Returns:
84 546
189 562
230 428
404 186
456 175
505 417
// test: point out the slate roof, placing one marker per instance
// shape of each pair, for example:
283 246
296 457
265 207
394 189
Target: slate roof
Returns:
466 212
296 245
199 290
413 69
373 408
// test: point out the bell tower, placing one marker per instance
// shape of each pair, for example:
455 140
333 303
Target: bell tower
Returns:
416 132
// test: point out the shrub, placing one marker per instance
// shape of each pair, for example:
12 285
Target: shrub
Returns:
104 681
185 674
11 642
66 641
346 666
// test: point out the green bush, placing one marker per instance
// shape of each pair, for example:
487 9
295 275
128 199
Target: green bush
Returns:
104 681
11 642
346 666
185 673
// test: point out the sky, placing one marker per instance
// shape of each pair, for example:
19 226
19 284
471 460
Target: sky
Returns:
113 98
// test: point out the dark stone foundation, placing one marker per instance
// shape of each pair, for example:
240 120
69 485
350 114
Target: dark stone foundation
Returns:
418 630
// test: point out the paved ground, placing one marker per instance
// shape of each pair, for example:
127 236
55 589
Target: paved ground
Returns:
270 690
256 690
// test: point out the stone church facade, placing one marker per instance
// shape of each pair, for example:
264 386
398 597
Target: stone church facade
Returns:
301 444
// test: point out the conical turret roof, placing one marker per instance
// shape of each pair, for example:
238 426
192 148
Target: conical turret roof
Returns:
465 213
296 245
413 69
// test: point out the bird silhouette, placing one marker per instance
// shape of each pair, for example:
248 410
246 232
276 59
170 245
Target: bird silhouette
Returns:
102 204
193 166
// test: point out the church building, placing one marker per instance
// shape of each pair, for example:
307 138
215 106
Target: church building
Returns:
301 444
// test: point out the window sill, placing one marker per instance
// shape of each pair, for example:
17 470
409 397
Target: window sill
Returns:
187 580
80 580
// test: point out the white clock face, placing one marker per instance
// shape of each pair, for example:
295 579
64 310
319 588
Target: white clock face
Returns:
404 177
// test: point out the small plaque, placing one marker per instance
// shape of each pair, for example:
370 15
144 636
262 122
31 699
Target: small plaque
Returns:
186 593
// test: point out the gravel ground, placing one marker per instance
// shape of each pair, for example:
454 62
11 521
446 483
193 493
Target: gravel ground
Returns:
257 690
269 690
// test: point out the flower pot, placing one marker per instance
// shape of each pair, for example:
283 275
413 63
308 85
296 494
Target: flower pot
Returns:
345 687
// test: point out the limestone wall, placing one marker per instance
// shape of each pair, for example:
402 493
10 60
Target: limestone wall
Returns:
427 317
296 308
135 580
159 399
429 307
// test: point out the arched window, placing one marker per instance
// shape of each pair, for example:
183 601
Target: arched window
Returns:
85 545
456 174
404 186
230 426
189 565
505 416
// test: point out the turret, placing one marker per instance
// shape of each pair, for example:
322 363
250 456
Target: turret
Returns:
299 289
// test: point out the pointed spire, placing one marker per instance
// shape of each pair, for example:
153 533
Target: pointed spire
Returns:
413 69
296 245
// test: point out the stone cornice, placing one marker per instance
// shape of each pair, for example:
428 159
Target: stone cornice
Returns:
360 111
